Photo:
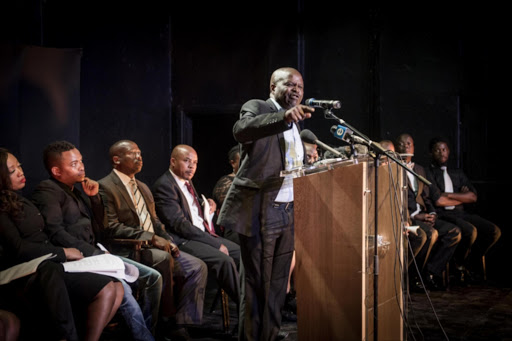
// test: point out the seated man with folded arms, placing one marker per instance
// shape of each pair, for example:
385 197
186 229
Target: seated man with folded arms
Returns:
452 190
131 215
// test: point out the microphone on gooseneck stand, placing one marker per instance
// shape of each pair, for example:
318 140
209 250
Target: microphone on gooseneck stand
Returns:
322 103
342 133
307 136
357 144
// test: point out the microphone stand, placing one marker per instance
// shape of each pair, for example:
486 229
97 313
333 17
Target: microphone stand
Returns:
376 146
378 151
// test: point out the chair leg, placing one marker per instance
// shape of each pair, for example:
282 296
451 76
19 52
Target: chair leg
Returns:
484 271
225 311
221 294
447 275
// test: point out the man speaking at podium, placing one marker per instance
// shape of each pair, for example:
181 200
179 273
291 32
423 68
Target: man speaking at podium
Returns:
259 203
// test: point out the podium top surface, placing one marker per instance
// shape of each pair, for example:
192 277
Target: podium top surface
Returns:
321 166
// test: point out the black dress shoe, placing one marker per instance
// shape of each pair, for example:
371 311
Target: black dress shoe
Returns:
461 277
434 283
290 303
173 332
288 316
416 286
179 334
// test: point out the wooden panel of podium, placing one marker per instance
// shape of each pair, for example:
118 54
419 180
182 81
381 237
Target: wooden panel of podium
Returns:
334 273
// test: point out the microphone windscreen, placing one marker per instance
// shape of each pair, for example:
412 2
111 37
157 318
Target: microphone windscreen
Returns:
307 136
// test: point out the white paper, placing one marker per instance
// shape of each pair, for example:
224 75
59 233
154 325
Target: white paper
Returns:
413 229
101 247
105 264
22 269
206 211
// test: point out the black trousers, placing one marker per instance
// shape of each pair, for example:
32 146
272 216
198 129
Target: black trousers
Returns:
220 265
443 248
478 235
267 258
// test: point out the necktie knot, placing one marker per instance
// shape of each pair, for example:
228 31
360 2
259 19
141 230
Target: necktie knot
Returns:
189 187
133 185
443 168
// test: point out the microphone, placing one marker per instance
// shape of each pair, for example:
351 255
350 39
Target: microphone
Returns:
307 136
326 104
345 134
404 156
342 133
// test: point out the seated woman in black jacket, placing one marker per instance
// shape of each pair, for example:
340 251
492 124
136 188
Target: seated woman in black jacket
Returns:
50 297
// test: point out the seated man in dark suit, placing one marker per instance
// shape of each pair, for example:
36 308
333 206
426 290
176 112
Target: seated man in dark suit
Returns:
181 210
450 195
73 219
442 236
131 215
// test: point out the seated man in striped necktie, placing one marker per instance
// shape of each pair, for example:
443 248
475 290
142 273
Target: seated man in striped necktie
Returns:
131 215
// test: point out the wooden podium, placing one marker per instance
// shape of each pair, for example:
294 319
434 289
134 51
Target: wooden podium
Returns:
334 272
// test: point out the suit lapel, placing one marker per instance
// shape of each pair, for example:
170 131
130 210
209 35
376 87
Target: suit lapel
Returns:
122 189
144 195
280 136
184 202
419 198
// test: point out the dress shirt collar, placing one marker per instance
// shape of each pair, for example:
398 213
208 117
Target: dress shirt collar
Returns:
276 104
125 179
179 181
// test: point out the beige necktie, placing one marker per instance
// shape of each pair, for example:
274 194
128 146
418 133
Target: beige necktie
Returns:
448 185
140 205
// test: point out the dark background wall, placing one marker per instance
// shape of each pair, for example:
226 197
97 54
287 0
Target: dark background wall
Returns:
162 74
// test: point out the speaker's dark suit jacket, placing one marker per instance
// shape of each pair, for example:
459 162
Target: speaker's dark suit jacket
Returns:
256 185
265 227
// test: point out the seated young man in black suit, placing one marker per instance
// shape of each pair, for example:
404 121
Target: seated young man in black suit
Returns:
452 190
